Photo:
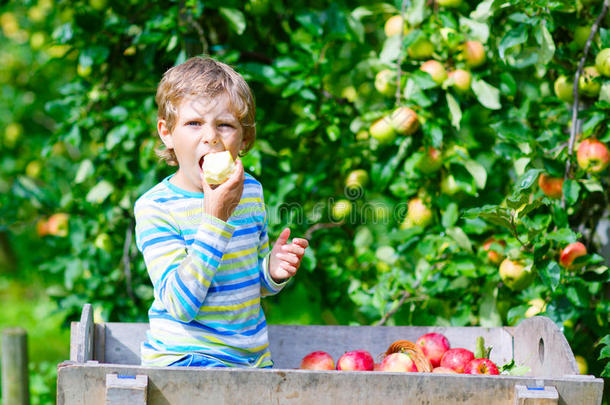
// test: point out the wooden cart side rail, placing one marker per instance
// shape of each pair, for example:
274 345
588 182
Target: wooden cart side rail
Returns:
84 384
540 344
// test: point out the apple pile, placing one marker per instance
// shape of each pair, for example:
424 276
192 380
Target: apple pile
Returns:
435 348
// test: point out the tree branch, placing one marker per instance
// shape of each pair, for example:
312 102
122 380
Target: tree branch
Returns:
403 298
127 261
575 105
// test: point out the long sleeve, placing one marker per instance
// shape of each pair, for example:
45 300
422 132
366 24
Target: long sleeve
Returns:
268 286
181 274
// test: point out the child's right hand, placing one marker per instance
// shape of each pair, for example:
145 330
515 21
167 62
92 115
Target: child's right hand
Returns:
222 200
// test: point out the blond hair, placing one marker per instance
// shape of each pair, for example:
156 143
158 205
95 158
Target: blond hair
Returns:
209 78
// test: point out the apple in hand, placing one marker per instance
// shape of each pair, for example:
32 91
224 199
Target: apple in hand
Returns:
552 187
570 253
481 366
356 360
592 155
456 359
318 360
434 345
398 362
217 167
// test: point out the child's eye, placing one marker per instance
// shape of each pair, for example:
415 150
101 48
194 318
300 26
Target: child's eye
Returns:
226 125
193 123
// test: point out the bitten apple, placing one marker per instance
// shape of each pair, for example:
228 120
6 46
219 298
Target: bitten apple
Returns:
318 360
457 359
571 252
434 345
217 167
481 366
356 360
398 362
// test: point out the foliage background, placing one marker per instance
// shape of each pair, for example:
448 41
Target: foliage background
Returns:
78 80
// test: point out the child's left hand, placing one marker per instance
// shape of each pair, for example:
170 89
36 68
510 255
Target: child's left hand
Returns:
285 258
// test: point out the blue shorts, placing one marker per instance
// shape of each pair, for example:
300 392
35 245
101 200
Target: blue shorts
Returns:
198 360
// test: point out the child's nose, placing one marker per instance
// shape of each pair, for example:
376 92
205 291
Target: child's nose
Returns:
210 135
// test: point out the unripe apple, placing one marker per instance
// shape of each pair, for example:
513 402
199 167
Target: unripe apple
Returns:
448 185
592 155
493 256
435 69
404 121
12 133
450 38
103 242
318 360
515 275
357 179
563 89
217 167
587 85
422 48
33 169
473 53
356 360
385 82
552 187
461 80
570 253
449 3
602 62
57 225
581 362
430 161
382 130
398 363
393 25
418 213
536 306
341 209
581 34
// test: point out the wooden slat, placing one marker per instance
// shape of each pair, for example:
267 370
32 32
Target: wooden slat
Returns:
99 342
84 345
85 385
126 390
536 395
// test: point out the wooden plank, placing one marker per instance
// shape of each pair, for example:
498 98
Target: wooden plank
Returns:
539 344
536 395
126 389
290 343
15 375
84 345
73 340
99 342
85 385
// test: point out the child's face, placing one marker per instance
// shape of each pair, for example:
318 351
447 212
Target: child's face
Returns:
203 125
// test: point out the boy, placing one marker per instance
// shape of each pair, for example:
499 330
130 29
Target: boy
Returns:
206 249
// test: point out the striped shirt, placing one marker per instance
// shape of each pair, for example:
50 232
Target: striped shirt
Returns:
208 277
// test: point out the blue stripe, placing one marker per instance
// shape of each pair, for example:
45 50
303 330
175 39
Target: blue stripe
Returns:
229 287
234 276
165 199
153 231
209 248
190 296
161 239
181 299
247 231
198 325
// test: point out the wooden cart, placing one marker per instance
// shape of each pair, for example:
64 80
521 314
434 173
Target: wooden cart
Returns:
104 368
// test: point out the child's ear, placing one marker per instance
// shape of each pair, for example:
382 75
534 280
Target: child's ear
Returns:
165 134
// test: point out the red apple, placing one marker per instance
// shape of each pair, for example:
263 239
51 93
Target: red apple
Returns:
376 367
356 360
435 69
57 224
492 255
552 187
571 252
418 214
398 362
481 366
434 345
42 227
443 370
456 359
473 53
404 120
461 80
592 155
318 361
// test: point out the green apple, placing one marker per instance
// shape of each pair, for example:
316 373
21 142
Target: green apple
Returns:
12 133
33 169
103 242
430 161
536 306
563 89
418 214
217 167
435 69
581 34
341 209
587 85
422 48
385 82
451 38
602 62
382 130
461 80
404 121
448 185
473 53
515 274
449 3
357 179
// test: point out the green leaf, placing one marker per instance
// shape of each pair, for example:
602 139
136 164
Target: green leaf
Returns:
478 30
391 49
488 310
416 13
593 185
571 190
547 45
84 171
235 17
478 172
512 38
454 110
460 238
99 192
450 216
550 273
388 170
483 10
488 95
563 236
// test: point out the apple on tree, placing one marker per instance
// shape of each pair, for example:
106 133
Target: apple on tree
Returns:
341 209
435 69
382 130
515 274
536 306
434 345
552 187
422 48
57 224
494 256
570 253
318 360
385 82
563 89
473 53
460 80
393 25
404 121
357 179
430 161
418 214
356 360
602 62
587 83
592 155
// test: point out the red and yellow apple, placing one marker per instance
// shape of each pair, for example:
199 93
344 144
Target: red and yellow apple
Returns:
515 274
398 362
494 257
456 359
435 69
473 53
434 345
393 25
444 370
382 130
318 360
570 253
356 360
57 225
481 366
357 179
461 80
404 121
592 155
418 214
430 161
552 187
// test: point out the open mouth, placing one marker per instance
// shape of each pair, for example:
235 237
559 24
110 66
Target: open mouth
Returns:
201 162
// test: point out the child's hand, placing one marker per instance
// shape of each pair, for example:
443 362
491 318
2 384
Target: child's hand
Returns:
222 200
285 258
